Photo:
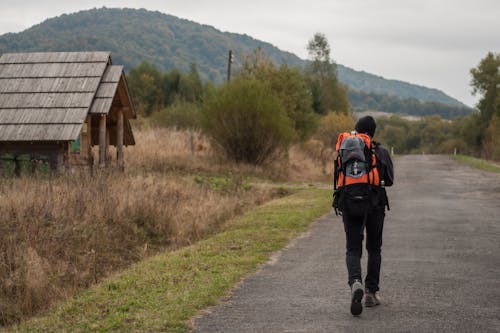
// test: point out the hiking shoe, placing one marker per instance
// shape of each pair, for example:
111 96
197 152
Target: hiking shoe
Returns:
371 299
356 297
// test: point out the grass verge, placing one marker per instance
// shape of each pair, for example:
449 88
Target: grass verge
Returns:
478 163
162 293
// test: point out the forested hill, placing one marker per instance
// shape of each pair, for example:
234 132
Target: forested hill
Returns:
135 35
369 83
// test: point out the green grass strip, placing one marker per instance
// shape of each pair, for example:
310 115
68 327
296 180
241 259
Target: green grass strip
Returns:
478 163
162 293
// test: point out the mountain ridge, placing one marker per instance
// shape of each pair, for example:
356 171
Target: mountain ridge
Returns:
167 41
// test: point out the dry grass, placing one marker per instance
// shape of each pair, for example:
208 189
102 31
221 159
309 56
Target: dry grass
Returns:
311 161
166 150
61 235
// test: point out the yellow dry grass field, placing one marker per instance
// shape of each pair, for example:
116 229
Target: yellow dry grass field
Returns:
59 235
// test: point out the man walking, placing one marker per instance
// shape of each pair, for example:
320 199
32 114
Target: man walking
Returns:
372 219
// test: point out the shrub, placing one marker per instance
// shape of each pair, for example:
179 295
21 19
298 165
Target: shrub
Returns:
331 126
181 115
246 121
491 142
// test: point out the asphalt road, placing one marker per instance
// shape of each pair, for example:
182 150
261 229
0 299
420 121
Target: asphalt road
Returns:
440 268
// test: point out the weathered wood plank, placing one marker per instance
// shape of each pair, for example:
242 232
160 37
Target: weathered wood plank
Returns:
107 89
101 105
54 57
52 70
112 74
46 100
37 85
43 116
45 132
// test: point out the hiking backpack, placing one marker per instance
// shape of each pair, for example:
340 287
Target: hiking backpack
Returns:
356 176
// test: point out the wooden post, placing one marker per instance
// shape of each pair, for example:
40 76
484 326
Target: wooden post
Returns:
229 62
53 162
102 141
60 161
34 164
119 140
90 153
66 154
1 166
17 166
108 155
85 139
89 134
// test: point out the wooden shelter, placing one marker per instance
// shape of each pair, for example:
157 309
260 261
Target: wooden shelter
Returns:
58 105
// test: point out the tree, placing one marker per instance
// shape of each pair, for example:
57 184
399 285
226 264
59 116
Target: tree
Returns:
328 94
190 85
486 81
144 83
329 128
288 84
170 86
247 121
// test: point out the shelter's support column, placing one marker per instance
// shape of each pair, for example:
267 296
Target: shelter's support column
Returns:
119 140
1 165
53 161
85 139
108 155
17 166
33 164
66 153
102 141
60 161
90 153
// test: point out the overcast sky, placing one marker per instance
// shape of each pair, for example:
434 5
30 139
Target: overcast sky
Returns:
427 42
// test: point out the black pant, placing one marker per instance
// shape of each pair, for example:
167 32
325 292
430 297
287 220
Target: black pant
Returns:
354 245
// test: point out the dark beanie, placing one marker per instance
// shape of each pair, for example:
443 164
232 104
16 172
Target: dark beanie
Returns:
366 125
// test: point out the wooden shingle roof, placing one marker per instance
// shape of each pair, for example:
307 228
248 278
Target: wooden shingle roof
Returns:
47 96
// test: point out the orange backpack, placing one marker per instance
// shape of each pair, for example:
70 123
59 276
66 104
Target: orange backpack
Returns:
356 162
355 173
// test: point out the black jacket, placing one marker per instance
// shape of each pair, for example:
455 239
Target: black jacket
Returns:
385 167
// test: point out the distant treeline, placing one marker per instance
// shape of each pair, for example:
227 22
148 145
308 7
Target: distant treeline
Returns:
307 99
475 134
409 106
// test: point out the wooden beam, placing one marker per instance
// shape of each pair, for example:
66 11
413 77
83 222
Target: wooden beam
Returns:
33 164
60 161
90 154
17 166
102 141
119 140
66 151
53 161
108 155
84 140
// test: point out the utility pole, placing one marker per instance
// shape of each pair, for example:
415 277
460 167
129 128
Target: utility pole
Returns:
229 62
